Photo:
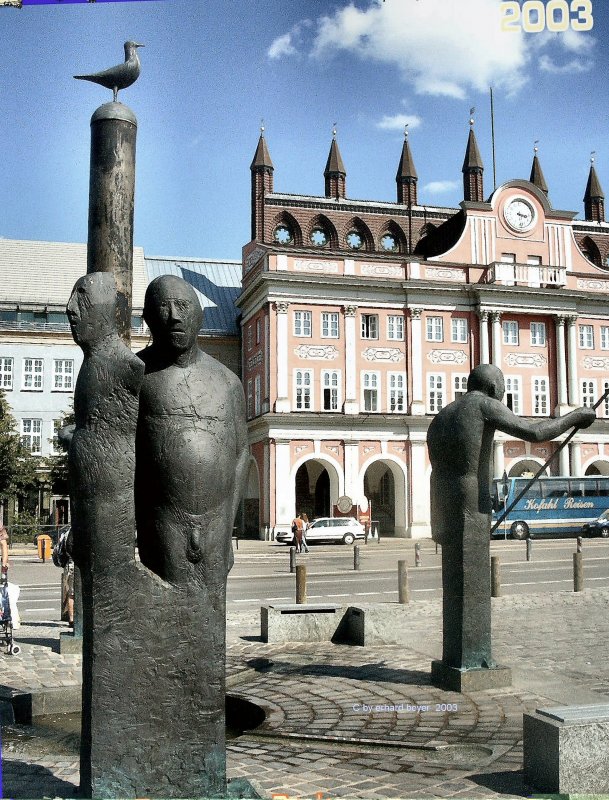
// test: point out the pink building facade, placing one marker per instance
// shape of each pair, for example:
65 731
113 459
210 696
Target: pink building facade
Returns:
361 320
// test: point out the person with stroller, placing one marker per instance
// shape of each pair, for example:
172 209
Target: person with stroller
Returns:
4 551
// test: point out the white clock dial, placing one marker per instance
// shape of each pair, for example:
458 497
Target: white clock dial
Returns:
519 214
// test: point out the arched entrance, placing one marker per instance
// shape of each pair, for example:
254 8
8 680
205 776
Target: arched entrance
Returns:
250 521
598 467
525 468
385 488
312 486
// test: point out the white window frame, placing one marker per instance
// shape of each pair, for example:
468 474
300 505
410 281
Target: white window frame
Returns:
586 337
371 382
303 324
459 381
459 330
6 373
436 392
64 378
33 374
434 329
56 448
587 388
511 332
258 330
606 400
513 387
396 392
395 327
331 382
540 391
369 326
330 325
257 395
303 390
31 435
604 337
538 334
249 336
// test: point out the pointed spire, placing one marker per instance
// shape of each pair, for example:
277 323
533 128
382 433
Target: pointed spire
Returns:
335 173
262 157
536 176
472 167
594 198
262 184
406 177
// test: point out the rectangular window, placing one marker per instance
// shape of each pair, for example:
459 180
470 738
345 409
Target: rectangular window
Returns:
329 325
6 373
606 400
258 330
63 374
510 332
395 327
32 374
31 435
435 393
459 386
55 446
370 326
512 393
249 337
303 383
397 390
538 333
586 337
370 384
435 329
604 337
588 393
458 330
302 323
257 398
540 397
250 399
330 388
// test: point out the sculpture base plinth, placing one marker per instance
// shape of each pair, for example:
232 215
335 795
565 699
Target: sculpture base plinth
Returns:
469 680
69 644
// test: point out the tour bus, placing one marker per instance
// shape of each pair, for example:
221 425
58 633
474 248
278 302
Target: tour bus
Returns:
550 507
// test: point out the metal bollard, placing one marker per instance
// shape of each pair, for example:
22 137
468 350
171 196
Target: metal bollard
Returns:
301 583
580 542
529 548
356 557
292 559
403 588
417 554
495 577
578 572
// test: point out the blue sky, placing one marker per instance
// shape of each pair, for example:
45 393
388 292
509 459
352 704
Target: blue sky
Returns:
211 69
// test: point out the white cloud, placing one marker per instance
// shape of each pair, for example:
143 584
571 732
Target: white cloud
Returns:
441 48
398 122
282 46
440 187
575 66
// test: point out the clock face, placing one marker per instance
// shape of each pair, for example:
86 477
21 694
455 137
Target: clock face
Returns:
519 214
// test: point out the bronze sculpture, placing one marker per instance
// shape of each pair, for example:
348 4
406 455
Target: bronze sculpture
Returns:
460 441
122 75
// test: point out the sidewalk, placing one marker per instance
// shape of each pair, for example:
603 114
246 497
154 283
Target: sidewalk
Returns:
318 737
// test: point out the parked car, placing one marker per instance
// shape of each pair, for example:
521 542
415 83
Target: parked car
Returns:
329 529
600 526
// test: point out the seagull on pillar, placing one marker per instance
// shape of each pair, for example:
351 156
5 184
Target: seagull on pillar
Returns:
120 76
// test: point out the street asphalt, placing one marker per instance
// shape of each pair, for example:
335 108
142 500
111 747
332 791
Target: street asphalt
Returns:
343 720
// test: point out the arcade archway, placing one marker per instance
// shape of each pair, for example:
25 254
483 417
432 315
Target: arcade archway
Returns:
385 488
316 488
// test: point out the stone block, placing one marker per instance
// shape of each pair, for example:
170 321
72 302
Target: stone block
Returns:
469 680
566 749
69 644
376 624
300 622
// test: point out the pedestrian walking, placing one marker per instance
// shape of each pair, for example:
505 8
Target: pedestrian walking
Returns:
298 531
305 528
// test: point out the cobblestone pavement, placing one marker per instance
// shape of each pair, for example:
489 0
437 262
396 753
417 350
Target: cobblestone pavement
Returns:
332 725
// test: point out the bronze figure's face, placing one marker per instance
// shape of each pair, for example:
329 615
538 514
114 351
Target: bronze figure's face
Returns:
91 308
173 313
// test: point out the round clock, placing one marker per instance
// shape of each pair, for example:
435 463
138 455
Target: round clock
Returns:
519 214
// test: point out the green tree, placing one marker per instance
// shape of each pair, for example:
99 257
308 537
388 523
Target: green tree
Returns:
17 465
57 464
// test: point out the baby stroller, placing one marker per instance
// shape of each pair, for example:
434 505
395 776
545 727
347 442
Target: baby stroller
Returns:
6 620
